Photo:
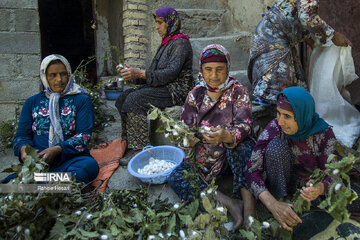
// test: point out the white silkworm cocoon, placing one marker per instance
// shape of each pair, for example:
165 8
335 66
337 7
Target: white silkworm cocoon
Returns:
336 171
156 166
182 234
186 142
265 225
337 186
104 237
220 209
251 220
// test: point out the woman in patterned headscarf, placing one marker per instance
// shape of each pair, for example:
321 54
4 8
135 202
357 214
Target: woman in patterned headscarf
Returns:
220 107
58 122
274 62
165 83
287 152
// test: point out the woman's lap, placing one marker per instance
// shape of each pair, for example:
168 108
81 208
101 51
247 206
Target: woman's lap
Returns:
137 101
185 191
85 167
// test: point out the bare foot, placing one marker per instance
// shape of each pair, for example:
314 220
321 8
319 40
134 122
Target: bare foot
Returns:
235 207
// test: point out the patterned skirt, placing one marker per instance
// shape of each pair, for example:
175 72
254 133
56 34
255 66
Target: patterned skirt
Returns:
133 106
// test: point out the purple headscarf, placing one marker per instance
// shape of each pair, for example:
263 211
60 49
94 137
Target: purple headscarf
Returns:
173 23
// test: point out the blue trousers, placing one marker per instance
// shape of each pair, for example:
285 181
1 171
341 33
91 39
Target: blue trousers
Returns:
85 169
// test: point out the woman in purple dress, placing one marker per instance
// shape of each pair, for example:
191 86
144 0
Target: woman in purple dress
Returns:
220 107
289 149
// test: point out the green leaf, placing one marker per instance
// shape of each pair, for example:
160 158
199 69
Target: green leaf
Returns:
163 214
114 230
209 233
172 223
191 209
58 230
153 114
185 219
207 204
89 234
247 234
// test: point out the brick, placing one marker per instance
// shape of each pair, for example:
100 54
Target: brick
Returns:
23 43
142 23
131 6
143 40
131 39
26 20
143 8
19 4
138 1
134 15
5 65
8 111
135 47
134 31
131 55
4 20
29 65
18 89
130 22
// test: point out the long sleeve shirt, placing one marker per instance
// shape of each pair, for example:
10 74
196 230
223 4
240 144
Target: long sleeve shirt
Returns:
232 111
77 117
309 153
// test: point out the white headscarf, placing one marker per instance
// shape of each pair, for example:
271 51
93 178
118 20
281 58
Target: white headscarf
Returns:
55 132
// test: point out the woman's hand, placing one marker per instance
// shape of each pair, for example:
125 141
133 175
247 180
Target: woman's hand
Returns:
23 154
282 212
285 215
311 193
340 40
50 153
130 74
217 135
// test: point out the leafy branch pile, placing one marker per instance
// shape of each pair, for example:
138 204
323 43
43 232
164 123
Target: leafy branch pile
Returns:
177 131
121 214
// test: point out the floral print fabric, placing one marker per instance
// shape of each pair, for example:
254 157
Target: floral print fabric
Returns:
76 118
232 110
309 153
274 63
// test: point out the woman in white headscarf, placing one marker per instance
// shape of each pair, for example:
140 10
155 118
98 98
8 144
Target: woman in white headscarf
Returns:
58 122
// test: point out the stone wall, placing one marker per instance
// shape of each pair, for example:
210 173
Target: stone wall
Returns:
136 32
19 54
224 17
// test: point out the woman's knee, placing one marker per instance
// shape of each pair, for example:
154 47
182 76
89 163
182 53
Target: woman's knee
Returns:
278 153
85 171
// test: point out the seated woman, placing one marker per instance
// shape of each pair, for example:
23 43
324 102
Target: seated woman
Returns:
58 122
220 106
286 153
166 82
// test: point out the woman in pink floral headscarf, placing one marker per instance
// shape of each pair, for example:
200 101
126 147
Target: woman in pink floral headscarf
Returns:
220 107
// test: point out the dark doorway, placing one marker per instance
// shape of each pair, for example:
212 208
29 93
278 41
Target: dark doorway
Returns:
65 27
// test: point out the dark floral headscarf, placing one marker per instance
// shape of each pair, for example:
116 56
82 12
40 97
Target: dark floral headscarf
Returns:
213 50
173 23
